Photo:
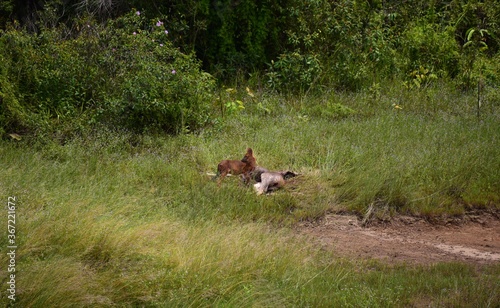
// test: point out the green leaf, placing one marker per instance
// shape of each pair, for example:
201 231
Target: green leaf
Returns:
469 33
483 32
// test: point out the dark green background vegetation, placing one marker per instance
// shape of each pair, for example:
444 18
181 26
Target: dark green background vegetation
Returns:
69 65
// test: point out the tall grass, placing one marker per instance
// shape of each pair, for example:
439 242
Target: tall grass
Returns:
117 219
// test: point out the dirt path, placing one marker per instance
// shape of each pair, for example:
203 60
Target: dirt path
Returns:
475 239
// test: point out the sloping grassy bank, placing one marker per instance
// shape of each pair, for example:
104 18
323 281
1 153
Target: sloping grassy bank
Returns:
112 218
127 230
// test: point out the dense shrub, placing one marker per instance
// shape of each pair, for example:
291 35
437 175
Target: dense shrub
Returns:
154 84
125 73
293 73
69 64
362 42
16 50
429 46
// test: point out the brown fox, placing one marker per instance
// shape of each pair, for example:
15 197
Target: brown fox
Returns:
244 167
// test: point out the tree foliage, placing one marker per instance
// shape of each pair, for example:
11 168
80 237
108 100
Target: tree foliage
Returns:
124 73
61 58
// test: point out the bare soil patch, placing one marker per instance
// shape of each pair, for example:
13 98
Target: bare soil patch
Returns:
473 238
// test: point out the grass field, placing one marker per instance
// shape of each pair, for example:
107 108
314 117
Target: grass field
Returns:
116 219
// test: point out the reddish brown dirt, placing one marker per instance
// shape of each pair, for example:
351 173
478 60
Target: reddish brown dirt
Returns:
473 239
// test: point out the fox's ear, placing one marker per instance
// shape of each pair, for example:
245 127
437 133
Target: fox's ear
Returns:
249 151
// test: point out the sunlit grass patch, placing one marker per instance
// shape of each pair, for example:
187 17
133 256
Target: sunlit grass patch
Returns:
114 218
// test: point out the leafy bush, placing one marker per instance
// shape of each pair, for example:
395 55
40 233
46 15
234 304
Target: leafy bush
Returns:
293 72
155 85
427 45
10 110
15 54
125 73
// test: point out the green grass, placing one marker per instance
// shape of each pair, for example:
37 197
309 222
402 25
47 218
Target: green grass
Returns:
116 219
